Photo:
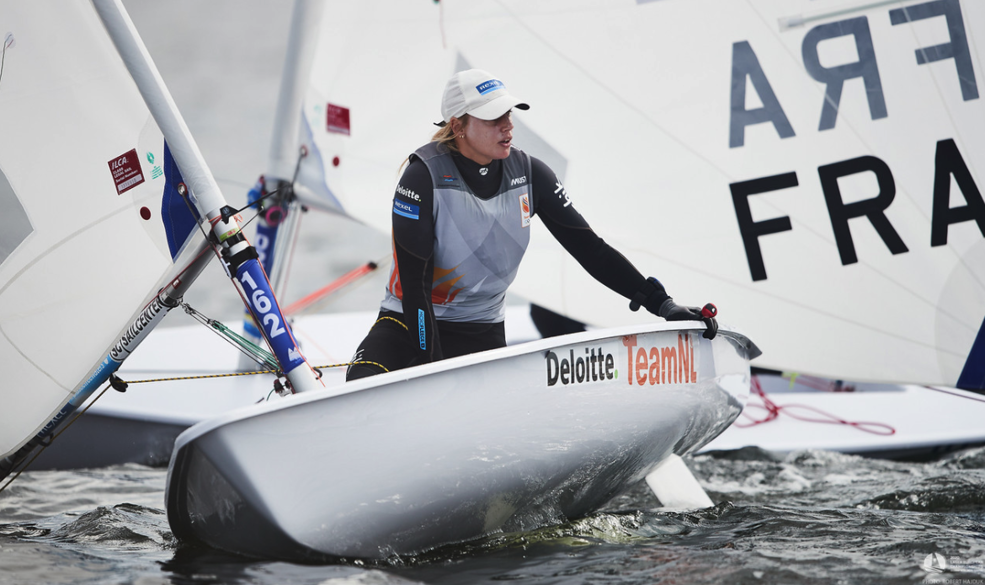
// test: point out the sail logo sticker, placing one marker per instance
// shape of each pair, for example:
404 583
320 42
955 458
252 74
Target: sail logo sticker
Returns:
337 119
650 366
406 209
126 171
594 366
524 211
155 171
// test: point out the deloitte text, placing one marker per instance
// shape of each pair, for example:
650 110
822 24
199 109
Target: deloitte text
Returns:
593 367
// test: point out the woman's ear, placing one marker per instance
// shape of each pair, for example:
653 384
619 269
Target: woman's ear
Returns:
457 126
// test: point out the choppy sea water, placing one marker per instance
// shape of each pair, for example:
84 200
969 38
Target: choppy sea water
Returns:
806 517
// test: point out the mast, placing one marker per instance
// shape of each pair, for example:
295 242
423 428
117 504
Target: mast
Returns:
239 257
280 213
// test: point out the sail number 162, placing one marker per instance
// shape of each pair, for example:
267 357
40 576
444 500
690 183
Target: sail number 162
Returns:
262 305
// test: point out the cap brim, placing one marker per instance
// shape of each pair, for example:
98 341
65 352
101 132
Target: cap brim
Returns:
497 107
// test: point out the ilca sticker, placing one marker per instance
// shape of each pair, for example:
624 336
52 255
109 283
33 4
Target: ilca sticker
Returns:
337 119
126 171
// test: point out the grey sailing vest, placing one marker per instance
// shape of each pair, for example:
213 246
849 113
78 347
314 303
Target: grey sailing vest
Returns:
478 244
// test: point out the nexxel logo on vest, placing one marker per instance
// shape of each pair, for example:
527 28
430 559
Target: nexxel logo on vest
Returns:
406 209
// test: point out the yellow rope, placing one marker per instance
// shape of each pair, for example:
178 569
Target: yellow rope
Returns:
179 378
107 387
397 321
232 374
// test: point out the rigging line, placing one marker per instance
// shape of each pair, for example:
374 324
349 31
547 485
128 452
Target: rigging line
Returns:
943 391
256 356
295 236
184 193
315 298
293 213
45 445
773 411
285 189
239 374
270 194
852 128
191 209
8 41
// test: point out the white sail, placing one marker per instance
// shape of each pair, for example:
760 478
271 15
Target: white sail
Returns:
91 229
810 166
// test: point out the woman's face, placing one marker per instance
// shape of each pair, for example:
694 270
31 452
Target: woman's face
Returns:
486 140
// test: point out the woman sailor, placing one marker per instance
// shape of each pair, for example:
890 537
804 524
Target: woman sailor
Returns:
461 216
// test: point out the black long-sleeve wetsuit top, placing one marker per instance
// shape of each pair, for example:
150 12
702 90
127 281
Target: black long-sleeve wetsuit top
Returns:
423 292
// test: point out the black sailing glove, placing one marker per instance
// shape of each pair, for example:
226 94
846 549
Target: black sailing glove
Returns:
671 311
655 299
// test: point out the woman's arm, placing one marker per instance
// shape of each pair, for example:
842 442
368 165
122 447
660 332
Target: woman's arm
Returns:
413 244
570 229
601 260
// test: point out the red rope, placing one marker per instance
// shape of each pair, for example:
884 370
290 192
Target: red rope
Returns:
773 411
316 296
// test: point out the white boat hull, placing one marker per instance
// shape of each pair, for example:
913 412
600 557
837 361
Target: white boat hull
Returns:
890 421
411 460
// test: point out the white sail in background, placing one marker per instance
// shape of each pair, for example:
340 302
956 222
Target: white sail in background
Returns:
812 167
91 228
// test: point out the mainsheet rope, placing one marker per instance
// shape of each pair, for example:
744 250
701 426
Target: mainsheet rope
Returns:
773 411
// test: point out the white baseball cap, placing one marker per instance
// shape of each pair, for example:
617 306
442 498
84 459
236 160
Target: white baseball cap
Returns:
477 93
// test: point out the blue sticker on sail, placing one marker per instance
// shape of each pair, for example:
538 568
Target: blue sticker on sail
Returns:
488 86
406 209
177 217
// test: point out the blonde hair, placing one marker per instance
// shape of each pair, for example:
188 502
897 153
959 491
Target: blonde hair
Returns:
445 137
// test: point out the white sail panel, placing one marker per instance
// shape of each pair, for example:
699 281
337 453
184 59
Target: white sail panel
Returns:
674 118
384 64
87 166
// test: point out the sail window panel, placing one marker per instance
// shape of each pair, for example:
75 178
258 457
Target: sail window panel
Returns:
15 225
